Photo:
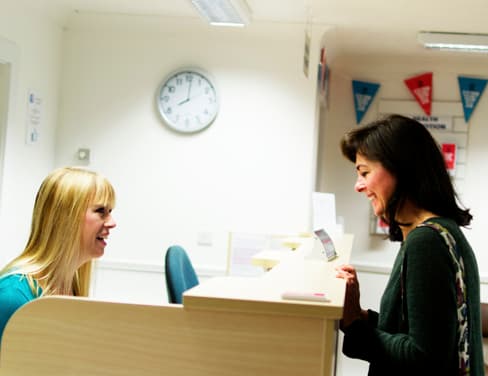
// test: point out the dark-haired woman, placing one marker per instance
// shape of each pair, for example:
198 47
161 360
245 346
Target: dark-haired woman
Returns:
429 317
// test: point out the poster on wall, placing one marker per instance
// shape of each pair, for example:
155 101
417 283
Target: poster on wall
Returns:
323 77
363 93
421 88
34 112
449 153
306 53
471 90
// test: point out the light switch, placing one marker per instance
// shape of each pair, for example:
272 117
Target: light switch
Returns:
83 154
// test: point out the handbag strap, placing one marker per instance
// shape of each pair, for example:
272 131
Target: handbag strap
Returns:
461 295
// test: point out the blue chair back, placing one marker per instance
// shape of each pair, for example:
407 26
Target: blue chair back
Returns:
179 272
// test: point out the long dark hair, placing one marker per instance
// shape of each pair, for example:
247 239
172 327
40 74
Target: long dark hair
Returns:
409 152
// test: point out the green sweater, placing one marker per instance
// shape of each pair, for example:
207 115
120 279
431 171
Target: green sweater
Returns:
425 342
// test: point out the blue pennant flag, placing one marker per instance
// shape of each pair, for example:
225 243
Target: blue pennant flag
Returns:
471 90
364 93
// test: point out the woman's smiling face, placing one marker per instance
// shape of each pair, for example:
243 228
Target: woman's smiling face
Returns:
376 182
96 229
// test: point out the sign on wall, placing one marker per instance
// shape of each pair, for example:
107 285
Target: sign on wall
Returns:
421 88
471 90
363 93
34 112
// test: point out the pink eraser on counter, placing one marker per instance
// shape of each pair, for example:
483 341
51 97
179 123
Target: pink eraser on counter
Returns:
303 295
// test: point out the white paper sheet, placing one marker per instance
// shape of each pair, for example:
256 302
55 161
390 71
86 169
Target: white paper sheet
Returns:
324 212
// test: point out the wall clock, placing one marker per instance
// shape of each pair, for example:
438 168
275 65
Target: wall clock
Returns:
187 100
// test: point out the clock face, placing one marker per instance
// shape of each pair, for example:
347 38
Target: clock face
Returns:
187 101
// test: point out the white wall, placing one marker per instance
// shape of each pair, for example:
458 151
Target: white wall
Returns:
32 42
252 170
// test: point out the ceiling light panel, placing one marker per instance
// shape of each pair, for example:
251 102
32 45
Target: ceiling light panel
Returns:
224 12
454 41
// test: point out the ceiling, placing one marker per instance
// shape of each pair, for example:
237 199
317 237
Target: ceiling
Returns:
362 26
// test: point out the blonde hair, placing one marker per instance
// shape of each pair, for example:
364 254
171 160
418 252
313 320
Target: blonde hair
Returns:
54 246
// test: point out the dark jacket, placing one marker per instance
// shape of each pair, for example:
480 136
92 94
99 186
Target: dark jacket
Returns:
419 335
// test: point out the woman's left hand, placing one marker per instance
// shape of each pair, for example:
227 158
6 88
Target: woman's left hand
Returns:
352 306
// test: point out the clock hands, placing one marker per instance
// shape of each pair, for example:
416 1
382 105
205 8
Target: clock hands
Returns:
190 98
187 95
189 89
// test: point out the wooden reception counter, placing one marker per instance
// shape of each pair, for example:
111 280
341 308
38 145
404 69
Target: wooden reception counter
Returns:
227 326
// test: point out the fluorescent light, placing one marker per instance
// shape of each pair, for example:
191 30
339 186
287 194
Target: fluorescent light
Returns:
454 41
224 12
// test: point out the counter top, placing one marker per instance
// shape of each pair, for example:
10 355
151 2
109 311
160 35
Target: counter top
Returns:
295 271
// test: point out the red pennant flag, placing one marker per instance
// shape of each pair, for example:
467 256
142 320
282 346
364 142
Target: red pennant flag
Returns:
449 152
421 88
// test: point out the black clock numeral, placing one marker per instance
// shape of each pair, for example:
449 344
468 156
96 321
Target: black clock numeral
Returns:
189 78
171 89
168 110
179 81
165 98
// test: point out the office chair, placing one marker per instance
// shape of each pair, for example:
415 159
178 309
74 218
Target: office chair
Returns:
179 273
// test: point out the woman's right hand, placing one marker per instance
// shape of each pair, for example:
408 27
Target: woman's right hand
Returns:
352 307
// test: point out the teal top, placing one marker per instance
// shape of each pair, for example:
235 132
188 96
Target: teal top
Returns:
15 291
419 336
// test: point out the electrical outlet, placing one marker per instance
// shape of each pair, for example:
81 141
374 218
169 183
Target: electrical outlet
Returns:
204 238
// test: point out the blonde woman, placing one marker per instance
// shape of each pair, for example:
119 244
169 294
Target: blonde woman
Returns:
70 224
